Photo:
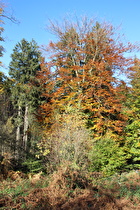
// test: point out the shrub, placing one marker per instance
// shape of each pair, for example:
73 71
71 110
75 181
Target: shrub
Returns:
107 156
69 140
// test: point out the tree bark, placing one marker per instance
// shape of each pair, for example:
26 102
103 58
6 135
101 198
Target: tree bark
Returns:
25 131
18 134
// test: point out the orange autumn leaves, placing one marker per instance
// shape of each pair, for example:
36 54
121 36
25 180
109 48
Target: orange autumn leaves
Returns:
80 73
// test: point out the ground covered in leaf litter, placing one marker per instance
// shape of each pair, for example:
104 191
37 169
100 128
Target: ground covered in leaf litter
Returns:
71 190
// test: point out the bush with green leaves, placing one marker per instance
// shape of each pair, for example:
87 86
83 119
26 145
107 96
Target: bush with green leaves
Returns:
33 165
132 144
107 156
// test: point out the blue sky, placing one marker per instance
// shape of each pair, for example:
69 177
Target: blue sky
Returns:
33 16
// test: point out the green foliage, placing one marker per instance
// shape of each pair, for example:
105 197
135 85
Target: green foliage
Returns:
33 165
1 82
132 130
107 156
23 68
132 143
25 92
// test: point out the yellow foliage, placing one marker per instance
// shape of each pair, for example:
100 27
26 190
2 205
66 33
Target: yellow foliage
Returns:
68 139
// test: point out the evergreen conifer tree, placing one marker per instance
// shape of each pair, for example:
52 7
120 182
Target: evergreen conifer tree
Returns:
25 92
133 112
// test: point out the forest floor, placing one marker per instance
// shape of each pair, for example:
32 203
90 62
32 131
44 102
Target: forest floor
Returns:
71 190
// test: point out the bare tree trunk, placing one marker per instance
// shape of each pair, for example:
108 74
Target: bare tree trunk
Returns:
18 134
25 131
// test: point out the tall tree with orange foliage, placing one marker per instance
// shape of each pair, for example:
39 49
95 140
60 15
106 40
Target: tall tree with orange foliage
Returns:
84 59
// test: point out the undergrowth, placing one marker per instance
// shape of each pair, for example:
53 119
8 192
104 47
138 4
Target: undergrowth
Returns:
71 189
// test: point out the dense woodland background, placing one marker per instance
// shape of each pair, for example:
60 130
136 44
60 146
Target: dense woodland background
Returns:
71 107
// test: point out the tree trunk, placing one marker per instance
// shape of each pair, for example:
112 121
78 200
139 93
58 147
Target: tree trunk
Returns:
25 131
18 135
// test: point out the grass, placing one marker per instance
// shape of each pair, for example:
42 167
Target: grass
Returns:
14 188
73 190
125 186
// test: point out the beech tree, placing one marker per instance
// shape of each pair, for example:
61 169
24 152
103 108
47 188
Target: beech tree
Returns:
80 73
84 60
25 92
